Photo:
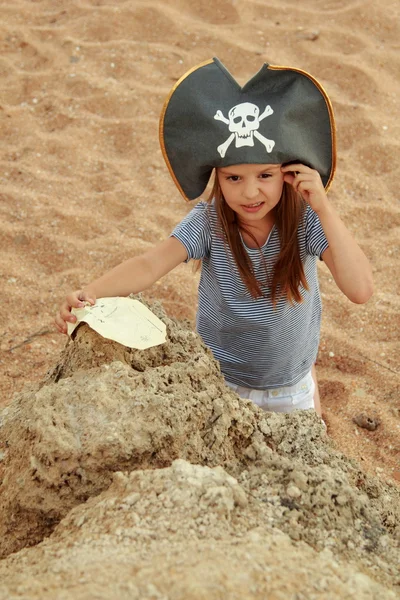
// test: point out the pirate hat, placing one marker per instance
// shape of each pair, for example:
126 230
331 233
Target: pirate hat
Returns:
280 115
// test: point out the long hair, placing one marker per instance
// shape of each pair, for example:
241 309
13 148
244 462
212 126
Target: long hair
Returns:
288 271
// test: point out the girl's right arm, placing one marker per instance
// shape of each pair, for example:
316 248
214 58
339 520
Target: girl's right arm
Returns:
130 277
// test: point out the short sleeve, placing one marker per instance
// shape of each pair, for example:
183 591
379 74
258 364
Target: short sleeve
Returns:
316 241
194 231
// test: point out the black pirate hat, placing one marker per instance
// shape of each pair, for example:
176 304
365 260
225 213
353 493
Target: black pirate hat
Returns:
281 115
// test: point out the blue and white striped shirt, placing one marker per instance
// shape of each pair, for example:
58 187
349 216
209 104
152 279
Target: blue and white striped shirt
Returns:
258 346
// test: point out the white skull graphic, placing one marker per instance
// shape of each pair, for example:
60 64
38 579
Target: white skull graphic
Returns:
244 121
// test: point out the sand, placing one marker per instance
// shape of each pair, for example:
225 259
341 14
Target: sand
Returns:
140 474
84 184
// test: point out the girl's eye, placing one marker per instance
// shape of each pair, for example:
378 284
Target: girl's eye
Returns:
233 178
265 175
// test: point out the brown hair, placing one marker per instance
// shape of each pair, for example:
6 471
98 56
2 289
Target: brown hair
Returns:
288 271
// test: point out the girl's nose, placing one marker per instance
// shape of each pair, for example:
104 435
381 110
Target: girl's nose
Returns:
250 190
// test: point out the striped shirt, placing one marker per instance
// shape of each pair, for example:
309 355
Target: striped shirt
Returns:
258 346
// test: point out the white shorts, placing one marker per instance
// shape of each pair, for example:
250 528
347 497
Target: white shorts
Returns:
285 399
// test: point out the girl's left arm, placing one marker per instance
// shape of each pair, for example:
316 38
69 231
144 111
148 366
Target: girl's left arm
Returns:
346 261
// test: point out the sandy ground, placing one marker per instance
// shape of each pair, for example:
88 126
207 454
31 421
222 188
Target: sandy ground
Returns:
84 185
139 475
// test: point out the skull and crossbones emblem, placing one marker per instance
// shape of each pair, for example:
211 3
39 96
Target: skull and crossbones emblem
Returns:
244 121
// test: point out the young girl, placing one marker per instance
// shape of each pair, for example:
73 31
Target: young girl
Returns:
261 232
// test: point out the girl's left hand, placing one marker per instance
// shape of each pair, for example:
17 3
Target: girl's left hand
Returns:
308 183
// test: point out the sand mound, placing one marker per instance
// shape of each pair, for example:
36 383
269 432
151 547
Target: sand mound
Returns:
184 532
99 454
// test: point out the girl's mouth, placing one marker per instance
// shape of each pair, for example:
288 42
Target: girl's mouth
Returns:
252 207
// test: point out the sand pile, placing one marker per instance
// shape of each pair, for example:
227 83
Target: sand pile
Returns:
185 532
154 480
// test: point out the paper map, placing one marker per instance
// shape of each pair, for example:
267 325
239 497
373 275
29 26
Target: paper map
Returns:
123 320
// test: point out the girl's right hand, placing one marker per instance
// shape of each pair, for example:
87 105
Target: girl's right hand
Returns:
74 300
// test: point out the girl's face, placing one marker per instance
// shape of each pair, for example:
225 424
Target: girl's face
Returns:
252 191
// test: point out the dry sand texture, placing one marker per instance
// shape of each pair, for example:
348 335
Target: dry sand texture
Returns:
84 185
147 478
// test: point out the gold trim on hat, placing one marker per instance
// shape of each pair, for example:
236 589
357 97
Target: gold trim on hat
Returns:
161 124
330 110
